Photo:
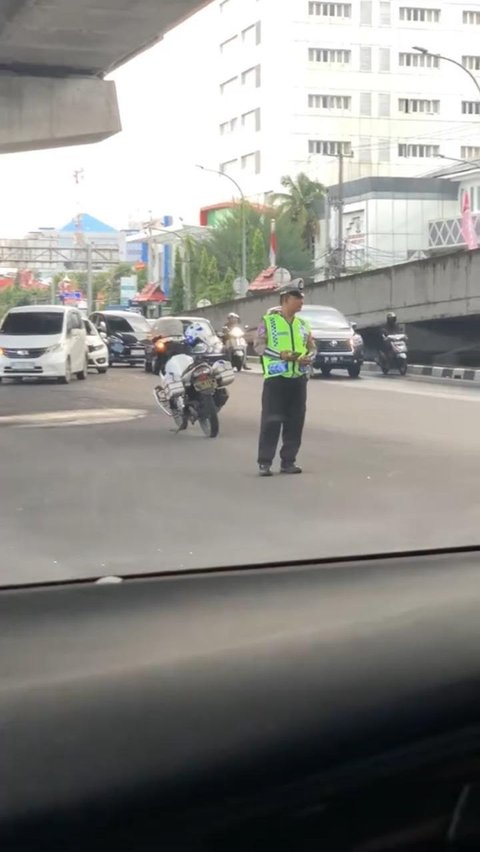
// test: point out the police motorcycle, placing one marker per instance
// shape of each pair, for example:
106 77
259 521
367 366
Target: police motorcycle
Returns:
193 386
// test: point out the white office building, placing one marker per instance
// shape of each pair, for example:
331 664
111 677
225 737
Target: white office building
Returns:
300 82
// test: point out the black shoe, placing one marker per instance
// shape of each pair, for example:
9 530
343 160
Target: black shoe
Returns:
264 470
290 468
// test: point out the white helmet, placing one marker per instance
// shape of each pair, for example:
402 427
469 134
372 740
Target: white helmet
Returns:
195 333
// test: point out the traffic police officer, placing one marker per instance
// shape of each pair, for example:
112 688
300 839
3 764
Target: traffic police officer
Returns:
285 344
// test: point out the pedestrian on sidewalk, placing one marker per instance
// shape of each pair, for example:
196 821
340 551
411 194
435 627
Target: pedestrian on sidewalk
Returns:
285 345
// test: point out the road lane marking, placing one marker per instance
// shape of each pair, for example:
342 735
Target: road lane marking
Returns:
85 417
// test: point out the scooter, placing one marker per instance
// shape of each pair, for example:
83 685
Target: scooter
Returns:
236 347
395 354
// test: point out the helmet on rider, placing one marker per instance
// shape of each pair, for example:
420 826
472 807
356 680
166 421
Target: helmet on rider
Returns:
195 333
233 319
391 319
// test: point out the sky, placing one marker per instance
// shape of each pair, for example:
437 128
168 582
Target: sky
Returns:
148 168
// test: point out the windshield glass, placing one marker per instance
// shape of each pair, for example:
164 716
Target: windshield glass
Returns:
231 208
33 323
325 318
135 323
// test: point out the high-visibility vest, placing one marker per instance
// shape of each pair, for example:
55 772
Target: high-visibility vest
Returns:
283 336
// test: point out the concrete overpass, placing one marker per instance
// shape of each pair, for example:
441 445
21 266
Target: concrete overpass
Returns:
438 300
54 55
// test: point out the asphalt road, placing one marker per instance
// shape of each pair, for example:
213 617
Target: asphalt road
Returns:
389 464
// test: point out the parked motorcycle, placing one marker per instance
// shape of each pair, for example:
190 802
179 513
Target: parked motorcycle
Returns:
193 390
236 347
395 354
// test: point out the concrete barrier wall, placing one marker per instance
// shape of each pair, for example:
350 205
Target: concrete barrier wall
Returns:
442 287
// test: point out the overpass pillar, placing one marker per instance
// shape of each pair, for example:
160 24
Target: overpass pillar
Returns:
49 112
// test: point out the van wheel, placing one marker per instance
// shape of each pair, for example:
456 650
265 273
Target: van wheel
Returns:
82 374
66 378
354 371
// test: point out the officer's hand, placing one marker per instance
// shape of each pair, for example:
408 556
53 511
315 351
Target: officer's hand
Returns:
287 356
305 361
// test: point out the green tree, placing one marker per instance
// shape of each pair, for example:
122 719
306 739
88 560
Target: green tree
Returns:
257 260
300 203
226 290
177 296
203 278
214 292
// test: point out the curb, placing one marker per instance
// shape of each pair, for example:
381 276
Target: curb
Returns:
464 374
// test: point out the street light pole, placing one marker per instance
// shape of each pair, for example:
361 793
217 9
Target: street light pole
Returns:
453 61
244 219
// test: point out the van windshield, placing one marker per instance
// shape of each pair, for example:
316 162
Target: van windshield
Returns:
319 318
33 322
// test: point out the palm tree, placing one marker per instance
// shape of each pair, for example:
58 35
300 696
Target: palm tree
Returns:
298 203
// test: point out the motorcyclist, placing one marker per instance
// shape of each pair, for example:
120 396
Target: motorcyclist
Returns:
233 321
391 327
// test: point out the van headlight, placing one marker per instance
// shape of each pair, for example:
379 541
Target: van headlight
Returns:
55 348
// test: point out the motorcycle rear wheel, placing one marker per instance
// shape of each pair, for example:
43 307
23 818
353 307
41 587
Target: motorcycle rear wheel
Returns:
208 418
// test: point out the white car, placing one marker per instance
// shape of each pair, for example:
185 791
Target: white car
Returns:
45 341
97 348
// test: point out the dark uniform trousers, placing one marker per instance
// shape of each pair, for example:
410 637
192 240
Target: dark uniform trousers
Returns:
283 405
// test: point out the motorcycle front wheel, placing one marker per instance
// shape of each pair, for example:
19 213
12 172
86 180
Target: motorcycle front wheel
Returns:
208 418
402 368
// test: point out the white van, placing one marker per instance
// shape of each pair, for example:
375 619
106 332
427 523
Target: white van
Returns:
48 341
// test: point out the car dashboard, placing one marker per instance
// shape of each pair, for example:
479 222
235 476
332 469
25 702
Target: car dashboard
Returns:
324 705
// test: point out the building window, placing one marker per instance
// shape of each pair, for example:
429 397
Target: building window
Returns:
365 150
331 10
365 103
365 13
419 15
418 60
470 152
251 163
469 17
365 58
471 62
332 102
228 126
384 59
420 151
227 87
385 14
471 107
229 166
333 57
251 120
252 77
414 105
252 36
226 46
384 104
384 146
328 148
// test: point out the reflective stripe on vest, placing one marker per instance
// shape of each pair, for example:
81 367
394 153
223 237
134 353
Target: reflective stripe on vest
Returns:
283 336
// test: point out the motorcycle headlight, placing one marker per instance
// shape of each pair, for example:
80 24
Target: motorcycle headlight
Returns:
236 332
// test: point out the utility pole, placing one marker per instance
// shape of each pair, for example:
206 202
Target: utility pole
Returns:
338 265
89 279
